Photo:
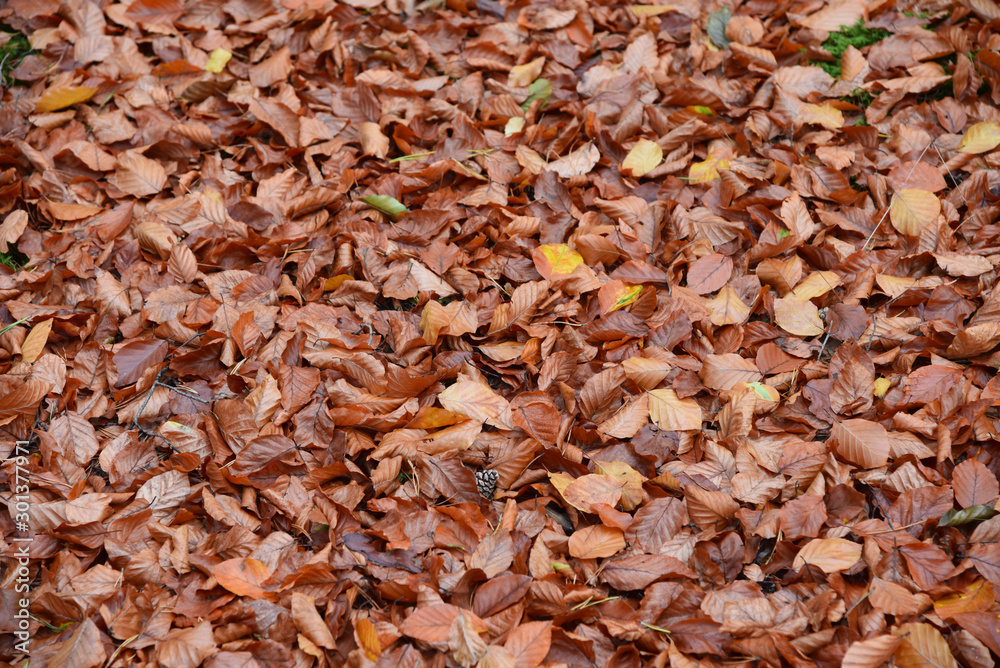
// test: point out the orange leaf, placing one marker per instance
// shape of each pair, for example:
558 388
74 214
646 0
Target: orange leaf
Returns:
975 597
55 99
555 260
596 542
243 577
587 491
368 638
923 646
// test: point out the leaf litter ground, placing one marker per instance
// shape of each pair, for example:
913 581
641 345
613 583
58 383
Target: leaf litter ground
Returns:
504 335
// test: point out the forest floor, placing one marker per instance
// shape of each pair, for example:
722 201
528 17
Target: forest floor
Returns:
499 334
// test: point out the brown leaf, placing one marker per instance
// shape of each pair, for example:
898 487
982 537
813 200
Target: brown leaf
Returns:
134 358
139 176
83 649
975 484
709 273
529 644
861 442
535 413
723 372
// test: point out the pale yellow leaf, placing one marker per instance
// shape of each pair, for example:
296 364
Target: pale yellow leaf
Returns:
831 555
825 114
797 316
727 308
980 138
644 157
34 343
522 75
217 60
672 413
912 210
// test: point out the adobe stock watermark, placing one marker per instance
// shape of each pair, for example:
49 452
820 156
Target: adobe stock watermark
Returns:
22 544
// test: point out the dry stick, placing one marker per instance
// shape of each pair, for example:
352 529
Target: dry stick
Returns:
895 194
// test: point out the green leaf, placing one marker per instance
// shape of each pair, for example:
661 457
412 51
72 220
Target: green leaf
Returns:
386 204
540 89
704 111
954 518
716 27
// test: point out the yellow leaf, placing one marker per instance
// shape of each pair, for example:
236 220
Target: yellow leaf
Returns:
816 284
826 115
514 125
34 343
644 157
217 61
912 210
555 260
829 554
797 316
55 99
704 172
672 413
882 386
727 308
523 75
980 138
335 282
